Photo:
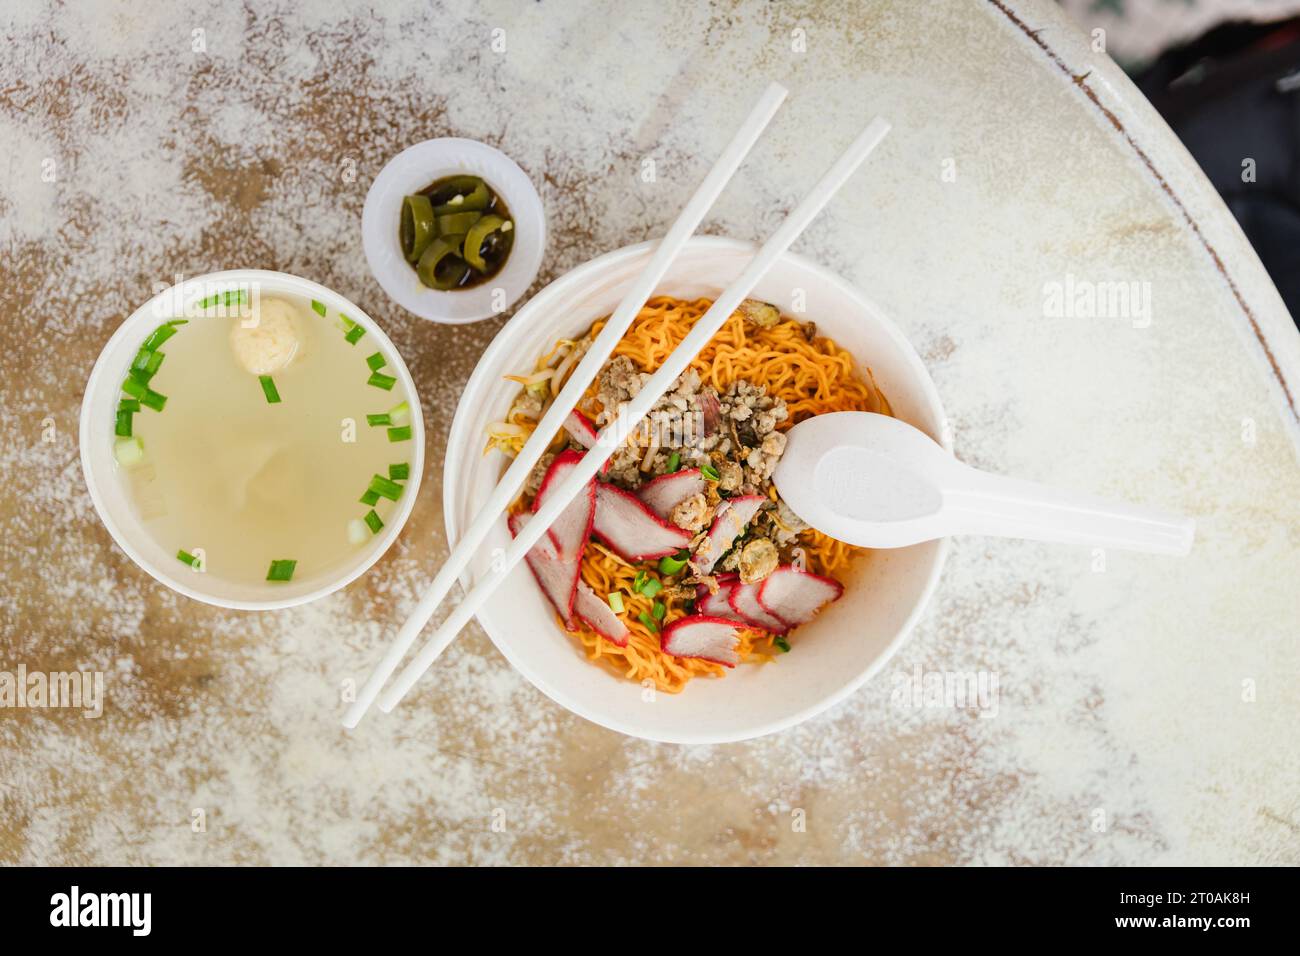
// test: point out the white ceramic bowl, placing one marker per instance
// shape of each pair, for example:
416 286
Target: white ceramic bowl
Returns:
832 656
109 495
412 170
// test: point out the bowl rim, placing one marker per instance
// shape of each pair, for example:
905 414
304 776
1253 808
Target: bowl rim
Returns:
440 156
216 281
457 445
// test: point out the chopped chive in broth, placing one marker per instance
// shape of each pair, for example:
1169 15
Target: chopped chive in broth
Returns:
122 426
400 434
269 390
381 419
369 498
318 308
399 472
380 380
187 558
282 570
373 521
376 361
385 488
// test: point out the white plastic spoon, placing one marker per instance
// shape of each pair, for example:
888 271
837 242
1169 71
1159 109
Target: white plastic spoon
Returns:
877 482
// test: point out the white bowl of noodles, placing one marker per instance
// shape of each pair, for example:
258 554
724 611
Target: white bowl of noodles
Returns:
884 592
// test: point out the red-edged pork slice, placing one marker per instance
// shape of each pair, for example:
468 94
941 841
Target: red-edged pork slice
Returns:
573 527
796 596
581 428
554 575
598 615
631 529
733 514
708 638
744 601
666 492
716 605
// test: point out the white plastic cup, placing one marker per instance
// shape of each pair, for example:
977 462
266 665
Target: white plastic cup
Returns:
417 167
108 491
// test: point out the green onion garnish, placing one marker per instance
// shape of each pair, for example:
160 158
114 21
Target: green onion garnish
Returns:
709 472
616 602
122 426
380 380
370 498
158 337
672 563
648 621
674 461
782 643
400 434
135 388
128 451
128 405
385 488
318 307
376 361
651 587
225 298
638 581
373 521
400 413
658 609
380 419
146 362
354 335
153 400
187 558
269 390
399 472
281 570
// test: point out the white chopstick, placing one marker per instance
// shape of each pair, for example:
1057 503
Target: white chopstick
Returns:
580 378
616 432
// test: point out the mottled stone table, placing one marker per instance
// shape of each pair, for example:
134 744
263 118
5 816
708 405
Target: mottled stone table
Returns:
1147 707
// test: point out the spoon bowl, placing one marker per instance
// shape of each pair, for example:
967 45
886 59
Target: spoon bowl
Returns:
878 482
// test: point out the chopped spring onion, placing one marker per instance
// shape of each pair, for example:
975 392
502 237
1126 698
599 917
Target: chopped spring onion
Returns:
152 399
399 472
672 563
128 405
376 361
651 586
400 413
158 337
638 581
128 451
381 419
357 532
782 643
318 308
122 425
369 498
147 362
709 472
380 380
648 621
354 335
372 520
385 488
400 434
186 557
269 390
674 461
281 570
658 610
230 297
616 602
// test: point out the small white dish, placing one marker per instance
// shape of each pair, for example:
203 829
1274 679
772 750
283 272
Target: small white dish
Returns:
109 494
412 170
851 640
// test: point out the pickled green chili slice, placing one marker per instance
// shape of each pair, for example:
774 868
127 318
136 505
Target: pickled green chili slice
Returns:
457 223
440 266
475 237
417 226
460 194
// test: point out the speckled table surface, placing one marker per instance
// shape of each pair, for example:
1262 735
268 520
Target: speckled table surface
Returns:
1146 709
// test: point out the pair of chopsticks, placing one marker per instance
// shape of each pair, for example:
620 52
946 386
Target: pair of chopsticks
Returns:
613 436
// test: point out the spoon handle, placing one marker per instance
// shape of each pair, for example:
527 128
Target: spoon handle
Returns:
982 503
